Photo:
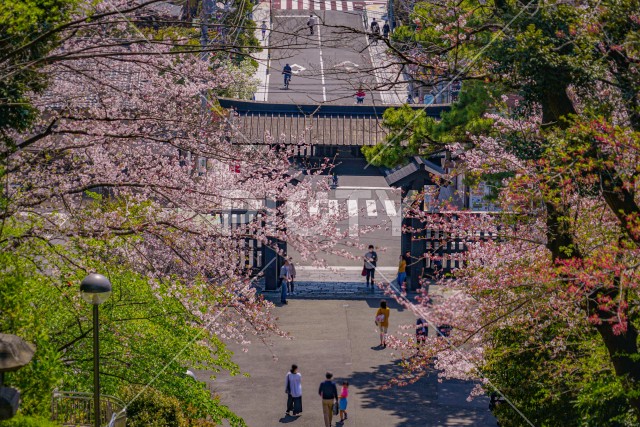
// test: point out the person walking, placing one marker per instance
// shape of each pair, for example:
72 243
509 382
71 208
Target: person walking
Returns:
422 331
329 393
375 29
293 388
344 394
386 29
263 27
292 275
382 321
370 261
311 23
360 94
402 275
285 275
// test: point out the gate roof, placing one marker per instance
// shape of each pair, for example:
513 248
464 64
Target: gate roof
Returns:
337 125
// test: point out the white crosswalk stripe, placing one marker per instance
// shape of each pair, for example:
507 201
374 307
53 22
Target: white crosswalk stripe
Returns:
318 5
390 207
314 207
352 206
333 208
371 208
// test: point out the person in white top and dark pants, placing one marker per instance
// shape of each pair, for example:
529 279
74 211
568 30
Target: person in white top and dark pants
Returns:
293 388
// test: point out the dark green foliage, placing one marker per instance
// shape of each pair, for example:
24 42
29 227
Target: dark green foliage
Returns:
411 132
25 421
568 386
150 408
27 34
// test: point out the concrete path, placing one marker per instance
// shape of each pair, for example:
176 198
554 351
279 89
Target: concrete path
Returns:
339 336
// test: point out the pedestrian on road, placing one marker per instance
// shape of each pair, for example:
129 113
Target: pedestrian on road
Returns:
407 257
386 29
382 321
311 23
329 393
264 29
344 394
422 331
292 275
375 29
402 275
293 388
285 275
360 94
370 261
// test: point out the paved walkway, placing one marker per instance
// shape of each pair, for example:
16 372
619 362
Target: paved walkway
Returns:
387 69
339 336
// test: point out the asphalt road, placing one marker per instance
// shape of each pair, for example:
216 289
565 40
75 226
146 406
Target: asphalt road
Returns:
328 66
339 336
370 210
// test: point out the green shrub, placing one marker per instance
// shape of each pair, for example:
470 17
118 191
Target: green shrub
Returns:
152 408
24 421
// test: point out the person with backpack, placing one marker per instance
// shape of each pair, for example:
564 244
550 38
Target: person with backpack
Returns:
375 29
293 388
329 394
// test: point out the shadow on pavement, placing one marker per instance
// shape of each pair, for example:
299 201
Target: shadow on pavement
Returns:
391 303
287 419
423 403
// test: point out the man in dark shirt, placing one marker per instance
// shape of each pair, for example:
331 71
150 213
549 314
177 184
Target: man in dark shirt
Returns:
329 393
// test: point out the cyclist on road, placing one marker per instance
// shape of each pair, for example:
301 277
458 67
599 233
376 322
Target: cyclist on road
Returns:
286 71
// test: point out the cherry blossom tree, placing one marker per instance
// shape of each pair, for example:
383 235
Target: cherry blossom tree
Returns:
127 165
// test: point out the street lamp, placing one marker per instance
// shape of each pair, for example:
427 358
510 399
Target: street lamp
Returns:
95 289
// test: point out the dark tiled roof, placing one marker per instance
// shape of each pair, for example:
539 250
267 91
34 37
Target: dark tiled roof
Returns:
417 167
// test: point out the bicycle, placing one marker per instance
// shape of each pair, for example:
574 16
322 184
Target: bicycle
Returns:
287 79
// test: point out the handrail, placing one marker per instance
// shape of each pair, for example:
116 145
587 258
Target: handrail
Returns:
71 408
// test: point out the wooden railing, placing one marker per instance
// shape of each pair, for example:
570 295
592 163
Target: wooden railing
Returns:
76 409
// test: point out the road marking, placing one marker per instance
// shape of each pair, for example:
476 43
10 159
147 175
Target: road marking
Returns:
297 67
346 187
339 268
333 208
294 6
314 207
293 209
350 6
390 207
371 208
352 207
347 65
305 4
324 89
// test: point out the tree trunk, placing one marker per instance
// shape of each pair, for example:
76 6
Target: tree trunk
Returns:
622 348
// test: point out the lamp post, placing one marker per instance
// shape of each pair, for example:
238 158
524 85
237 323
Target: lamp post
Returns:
95 289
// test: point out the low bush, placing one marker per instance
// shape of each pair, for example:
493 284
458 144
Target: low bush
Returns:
24 421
